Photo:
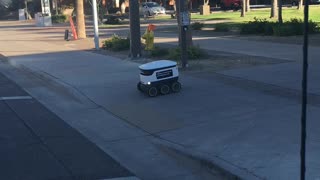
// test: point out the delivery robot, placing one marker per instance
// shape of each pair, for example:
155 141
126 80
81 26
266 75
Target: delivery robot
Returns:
159 77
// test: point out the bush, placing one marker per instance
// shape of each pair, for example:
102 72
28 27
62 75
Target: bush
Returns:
313 27
175 54
285 30
258 26
288 28
194 52
221 28
159 52
116 43
197 25
60 18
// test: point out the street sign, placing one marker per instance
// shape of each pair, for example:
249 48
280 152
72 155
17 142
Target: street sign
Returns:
184 18
45 4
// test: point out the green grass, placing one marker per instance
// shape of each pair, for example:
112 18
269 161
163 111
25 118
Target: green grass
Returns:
288 13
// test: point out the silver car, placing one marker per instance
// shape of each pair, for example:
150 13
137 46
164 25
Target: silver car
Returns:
151 9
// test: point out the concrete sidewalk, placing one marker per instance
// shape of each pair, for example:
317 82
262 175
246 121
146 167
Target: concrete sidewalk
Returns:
252 133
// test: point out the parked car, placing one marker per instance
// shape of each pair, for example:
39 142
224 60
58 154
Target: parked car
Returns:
151 9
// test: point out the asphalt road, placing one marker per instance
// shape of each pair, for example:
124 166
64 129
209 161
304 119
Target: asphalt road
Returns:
37 144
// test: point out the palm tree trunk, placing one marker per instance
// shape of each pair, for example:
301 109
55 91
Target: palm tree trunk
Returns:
274 12
81 27
243 9
300 5
247 5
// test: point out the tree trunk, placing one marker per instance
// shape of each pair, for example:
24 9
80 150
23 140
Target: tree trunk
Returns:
243 9
81 27
274 6
280 12
300 5
247 5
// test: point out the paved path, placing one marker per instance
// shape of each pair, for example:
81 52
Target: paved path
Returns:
251 132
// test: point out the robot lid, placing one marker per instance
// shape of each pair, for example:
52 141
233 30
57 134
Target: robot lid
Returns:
158 65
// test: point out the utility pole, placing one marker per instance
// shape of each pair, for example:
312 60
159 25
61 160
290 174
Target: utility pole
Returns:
95 23
81 27
135 36
183 19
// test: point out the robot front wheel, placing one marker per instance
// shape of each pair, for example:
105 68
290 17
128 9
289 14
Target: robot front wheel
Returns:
152 91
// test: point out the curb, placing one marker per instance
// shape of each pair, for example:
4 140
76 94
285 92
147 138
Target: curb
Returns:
212 163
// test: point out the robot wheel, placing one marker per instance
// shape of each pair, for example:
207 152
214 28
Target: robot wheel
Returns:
164 89
176 86
152 91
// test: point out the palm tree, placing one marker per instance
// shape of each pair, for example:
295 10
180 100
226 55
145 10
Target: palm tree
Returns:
81 27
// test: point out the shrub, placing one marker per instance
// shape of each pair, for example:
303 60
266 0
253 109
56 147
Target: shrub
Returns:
159 52
194 52
285 30
288 28
258 26
116 43
60 18
313 27
175 54
197 25
221 28
294 27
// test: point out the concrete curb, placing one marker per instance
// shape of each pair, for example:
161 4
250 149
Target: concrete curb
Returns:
214 164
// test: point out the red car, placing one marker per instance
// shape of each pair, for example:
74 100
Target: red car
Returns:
230 4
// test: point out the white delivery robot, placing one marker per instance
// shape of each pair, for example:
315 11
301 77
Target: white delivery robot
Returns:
159 77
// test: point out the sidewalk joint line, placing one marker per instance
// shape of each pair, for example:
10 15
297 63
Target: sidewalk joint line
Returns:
5 98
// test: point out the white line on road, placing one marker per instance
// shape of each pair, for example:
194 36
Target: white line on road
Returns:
15 98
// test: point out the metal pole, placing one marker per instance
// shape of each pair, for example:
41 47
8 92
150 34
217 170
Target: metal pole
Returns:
95 23
183 34
304 93
135 36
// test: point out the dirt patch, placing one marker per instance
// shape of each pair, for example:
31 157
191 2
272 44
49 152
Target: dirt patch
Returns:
212 63
314 39
220 63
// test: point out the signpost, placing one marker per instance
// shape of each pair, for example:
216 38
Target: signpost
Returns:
95 22
184 21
